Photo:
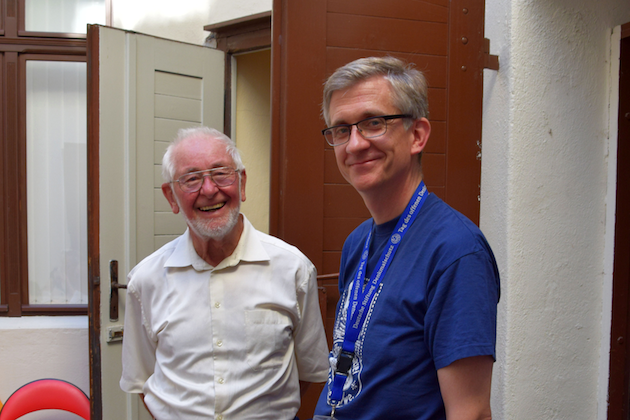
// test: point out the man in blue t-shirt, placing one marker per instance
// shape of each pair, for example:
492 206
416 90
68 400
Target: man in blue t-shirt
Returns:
415 330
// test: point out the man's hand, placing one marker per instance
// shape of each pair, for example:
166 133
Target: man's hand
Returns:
465 385
304 387
145 405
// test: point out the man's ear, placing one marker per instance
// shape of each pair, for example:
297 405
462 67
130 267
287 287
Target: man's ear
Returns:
243 182
167 190
421 131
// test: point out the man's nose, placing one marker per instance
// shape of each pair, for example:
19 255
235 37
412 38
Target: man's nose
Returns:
208 186
356 140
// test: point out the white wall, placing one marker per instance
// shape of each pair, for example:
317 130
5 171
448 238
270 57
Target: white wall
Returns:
221 10
544 184
43 347
179 20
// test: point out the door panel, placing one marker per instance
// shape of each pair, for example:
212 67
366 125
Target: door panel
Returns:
148 88
385 34
432 11
177 85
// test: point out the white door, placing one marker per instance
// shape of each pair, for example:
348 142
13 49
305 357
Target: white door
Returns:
148 89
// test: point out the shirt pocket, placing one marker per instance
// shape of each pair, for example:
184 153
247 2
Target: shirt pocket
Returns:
268 338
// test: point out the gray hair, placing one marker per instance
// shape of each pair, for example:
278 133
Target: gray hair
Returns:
408 85
168 166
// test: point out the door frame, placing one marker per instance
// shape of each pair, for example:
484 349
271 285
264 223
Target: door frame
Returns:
93 228
247 34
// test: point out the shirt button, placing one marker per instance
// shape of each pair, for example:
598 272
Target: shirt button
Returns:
219 417
219 343
221 380
217 305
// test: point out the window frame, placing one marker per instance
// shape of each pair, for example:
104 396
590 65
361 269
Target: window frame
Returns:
22 32
16 47
28 308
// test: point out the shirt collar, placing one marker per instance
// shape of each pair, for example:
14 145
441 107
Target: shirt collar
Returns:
249 249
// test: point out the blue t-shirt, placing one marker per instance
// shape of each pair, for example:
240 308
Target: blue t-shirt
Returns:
436 304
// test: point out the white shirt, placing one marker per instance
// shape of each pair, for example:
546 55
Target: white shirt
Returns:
225 342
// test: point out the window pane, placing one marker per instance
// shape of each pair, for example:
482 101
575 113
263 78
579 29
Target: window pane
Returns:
56 182
65 16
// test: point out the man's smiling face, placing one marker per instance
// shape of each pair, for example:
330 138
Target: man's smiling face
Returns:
211 212
375 165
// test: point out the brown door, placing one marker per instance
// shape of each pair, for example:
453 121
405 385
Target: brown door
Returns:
312 206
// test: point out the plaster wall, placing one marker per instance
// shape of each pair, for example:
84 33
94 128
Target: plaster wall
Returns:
181 20
543 202
177 20
43 347
221 10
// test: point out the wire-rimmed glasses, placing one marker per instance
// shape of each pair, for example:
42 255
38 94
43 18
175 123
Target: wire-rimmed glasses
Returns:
192 181
369 128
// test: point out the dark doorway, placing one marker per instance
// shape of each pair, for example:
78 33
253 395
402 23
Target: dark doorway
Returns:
619 384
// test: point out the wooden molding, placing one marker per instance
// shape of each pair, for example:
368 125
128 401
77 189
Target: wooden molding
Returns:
244 34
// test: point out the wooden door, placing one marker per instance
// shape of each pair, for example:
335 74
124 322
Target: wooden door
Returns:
312 206
141 90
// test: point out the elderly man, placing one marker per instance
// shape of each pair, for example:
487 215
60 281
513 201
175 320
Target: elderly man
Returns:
224 321
415 330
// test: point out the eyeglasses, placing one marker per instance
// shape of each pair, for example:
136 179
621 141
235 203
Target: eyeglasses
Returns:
192 181
369 128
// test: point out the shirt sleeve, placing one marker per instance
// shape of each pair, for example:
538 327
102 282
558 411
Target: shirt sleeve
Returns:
311 348
462 310
138 352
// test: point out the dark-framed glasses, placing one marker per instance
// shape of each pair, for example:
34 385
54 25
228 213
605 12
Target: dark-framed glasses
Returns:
369 128
192 181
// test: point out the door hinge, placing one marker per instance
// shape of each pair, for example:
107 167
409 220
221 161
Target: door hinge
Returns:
489 61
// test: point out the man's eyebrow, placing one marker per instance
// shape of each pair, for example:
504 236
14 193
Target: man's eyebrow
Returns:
191 170
365 115
209 168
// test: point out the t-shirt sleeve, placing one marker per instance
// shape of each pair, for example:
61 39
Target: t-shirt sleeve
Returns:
461 312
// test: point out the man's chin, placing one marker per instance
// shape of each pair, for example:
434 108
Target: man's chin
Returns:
214 229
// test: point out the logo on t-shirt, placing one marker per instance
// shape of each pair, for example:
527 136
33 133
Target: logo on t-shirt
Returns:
353 384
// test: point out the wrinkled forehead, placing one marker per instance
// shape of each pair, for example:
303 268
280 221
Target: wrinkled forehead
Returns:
199 153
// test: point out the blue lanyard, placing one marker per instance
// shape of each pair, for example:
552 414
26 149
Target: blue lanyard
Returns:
362 296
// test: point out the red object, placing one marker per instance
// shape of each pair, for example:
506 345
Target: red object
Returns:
44 394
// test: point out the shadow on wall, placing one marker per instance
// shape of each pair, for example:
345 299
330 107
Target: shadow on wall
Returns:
180 21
